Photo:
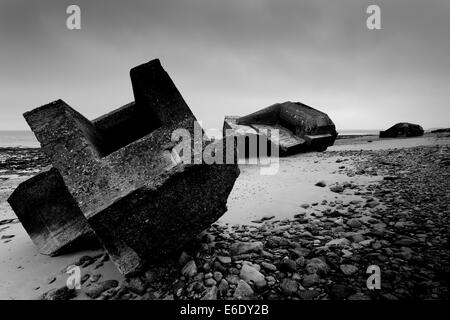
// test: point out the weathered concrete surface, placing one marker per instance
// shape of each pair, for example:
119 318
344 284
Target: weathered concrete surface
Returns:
46 208
140 199
49 213
402 129
301 128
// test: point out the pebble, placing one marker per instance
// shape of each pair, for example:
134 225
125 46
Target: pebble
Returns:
341 242
96 289
308 294
268 266
289 286
223 287
217 276
337 189
301 252
348 269
316 265
354 223
249 273
341 291
239 248
232 279
310 279
359 296
243 291
321 184
95 277
51 280
136 285
287 265
224 259
190 269
210 282
184 258
211 293
63 293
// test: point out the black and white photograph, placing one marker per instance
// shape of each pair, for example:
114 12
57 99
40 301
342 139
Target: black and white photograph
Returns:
247 152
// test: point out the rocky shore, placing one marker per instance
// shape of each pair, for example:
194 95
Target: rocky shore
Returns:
398 223
17 160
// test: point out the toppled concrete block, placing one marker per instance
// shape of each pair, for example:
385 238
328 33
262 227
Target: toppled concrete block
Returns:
45 207
125 175
50 214
402 129
300 128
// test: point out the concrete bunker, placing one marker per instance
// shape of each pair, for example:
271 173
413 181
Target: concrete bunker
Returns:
300 127
402 129
141 204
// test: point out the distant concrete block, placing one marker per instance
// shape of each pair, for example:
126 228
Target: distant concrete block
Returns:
300 127
141 201
50 214
402 129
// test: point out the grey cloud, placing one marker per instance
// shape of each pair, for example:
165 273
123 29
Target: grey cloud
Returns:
232 57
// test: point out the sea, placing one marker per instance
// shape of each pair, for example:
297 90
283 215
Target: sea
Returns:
26 139
18 139
359 132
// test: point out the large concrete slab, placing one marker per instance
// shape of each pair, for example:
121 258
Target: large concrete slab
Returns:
139 198
300 127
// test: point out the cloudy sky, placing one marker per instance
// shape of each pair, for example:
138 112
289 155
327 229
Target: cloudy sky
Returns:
232 57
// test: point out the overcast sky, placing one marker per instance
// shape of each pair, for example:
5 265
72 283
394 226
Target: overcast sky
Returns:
232 57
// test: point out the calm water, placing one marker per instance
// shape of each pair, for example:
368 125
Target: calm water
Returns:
358 132
20 139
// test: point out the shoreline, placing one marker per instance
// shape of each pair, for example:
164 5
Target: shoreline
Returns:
369 216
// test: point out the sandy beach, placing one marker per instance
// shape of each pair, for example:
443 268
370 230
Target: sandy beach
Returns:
308 232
